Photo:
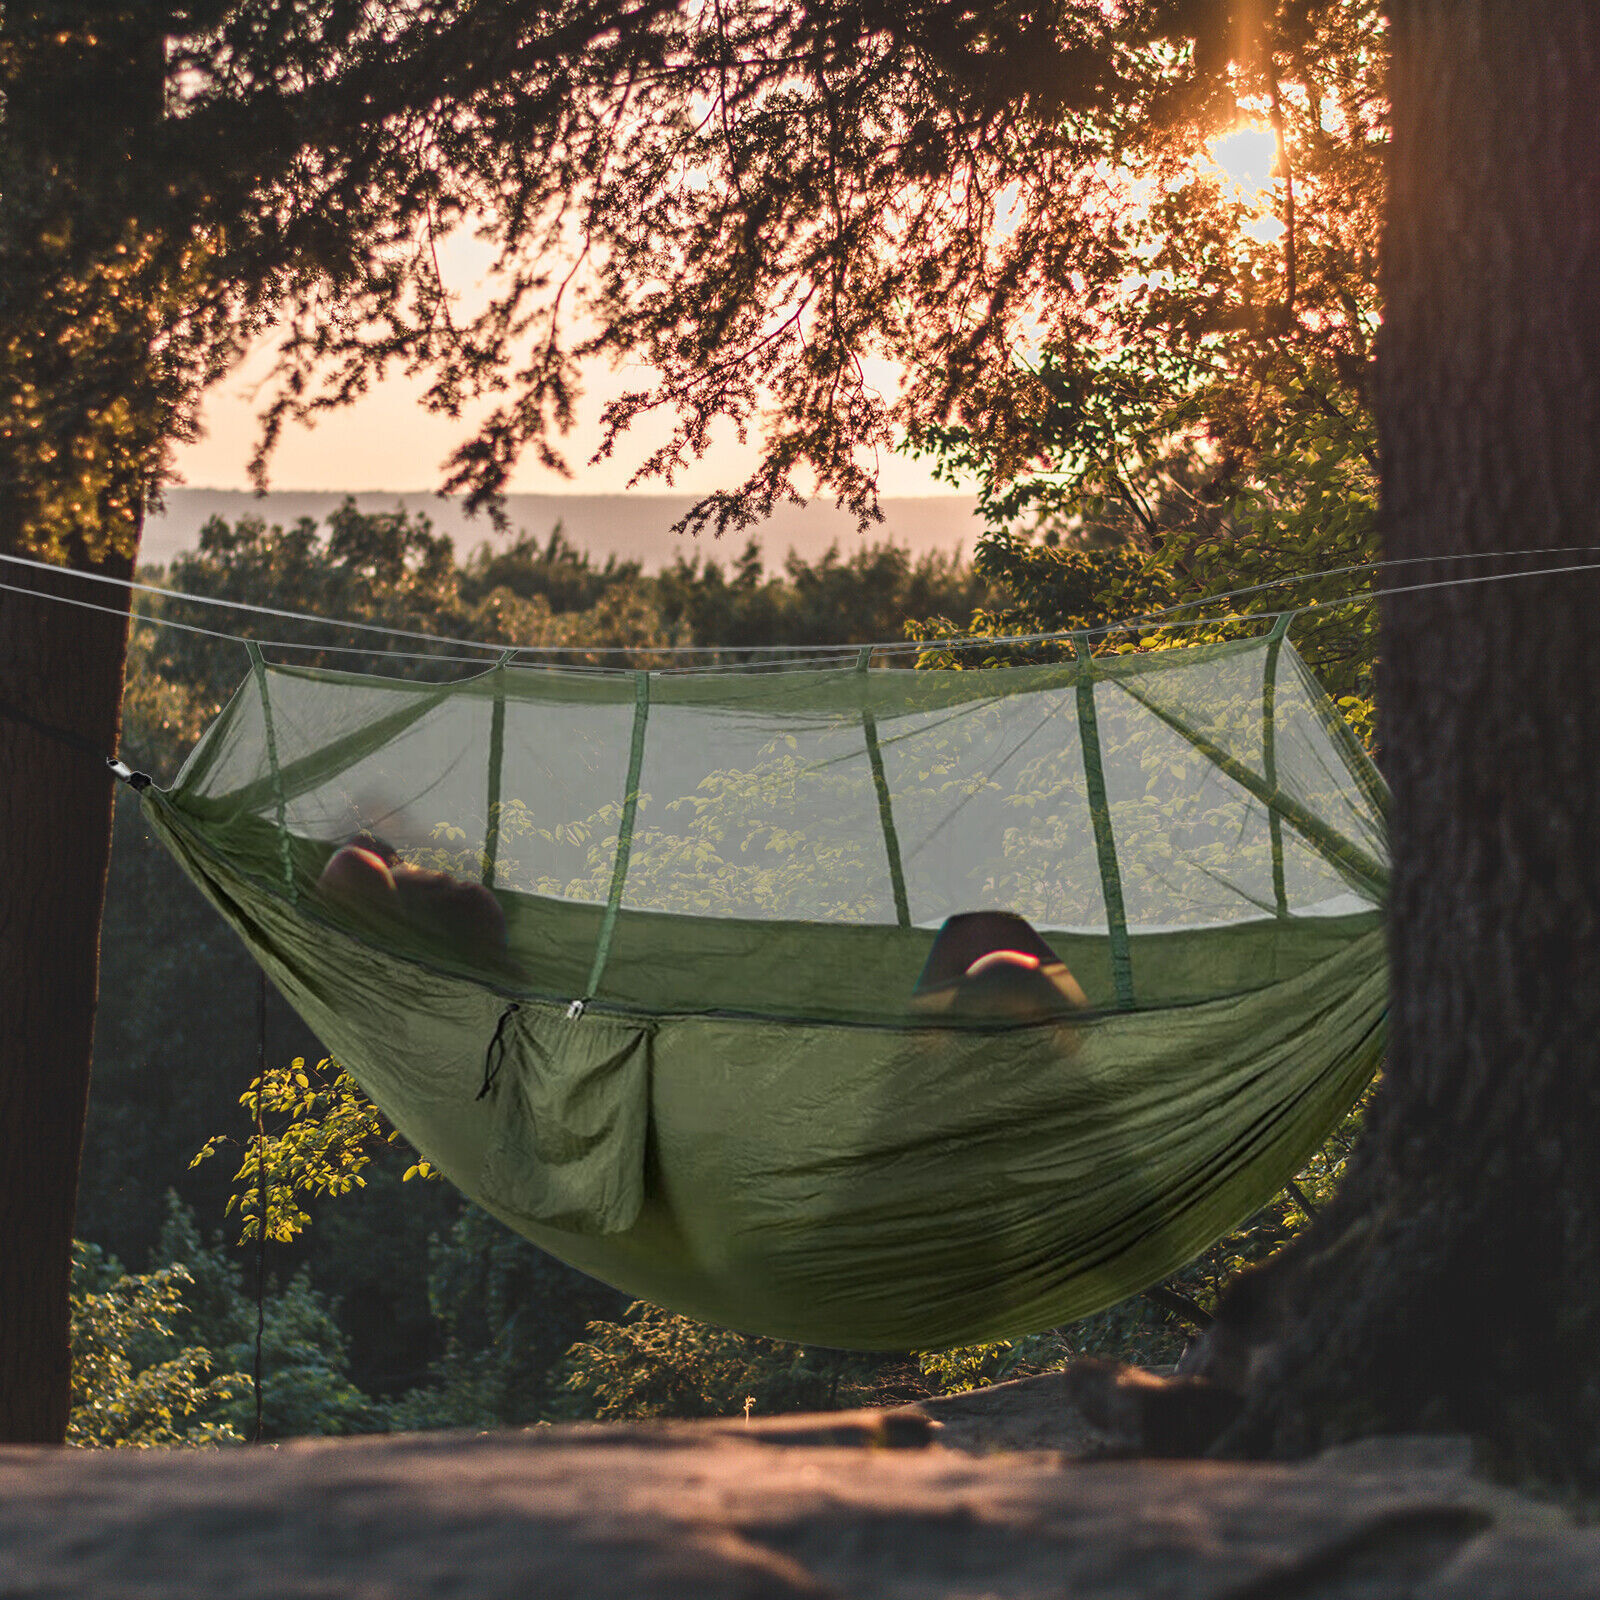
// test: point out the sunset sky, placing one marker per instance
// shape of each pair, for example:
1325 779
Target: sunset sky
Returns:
389 442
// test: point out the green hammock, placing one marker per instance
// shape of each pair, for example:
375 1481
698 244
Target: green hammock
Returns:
692 1070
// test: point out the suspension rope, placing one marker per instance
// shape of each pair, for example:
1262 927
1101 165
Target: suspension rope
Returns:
844 652
828 655
245 605
146 619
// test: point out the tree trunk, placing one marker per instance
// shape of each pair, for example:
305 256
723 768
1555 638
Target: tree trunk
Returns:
88 386
1455 1282
61 666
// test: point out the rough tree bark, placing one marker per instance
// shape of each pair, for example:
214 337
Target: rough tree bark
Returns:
81 435
1455 1283
64 667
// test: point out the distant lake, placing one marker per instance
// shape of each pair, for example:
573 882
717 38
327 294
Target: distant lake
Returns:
633 527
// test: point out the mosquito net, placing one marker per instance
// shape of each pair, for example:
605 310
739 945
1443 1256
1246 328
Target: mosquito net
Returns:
682 1044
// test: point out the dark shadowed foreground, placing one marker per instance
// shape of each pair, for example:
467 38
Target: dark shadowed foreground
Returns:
974 1496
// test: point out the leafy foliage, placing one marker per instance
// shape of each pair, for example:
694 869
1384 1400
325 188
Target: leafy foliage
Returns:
509 1311
165 1357
1208 428
865 597
566 578
305 1358
655 1363
132 1385
748 204
975 1366
316 1133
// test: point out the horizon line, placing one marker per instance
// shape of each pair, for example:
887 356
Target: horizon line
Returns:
538 494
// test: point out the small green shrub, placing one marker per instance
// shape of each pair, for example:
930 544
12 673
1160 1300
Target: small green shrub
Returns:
135 1384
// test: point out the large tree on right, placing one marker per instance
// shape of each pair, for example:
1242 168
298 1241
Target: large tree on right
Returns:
1455 1283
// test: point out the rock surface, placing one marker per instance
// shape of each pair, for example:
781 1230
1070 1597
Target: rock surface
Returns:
977 1497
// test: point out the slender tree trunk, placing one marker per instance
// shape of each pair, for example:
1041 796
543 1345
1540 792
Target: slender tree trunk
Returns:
61 666
1455 1283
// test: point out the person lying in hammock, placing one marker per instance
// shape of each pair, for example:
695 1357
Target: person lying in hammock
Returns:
993 966
368 877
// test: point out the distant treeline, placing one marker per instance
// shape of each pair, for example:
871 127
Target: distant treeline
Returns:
391 570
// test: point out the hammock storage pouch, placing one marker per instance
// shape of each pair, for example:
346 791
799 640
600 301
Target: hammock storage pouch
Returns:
692 1066
571 1101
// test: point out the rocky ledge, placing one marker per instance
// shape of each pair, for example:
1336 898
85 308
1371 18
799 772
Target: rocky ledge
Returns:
1000 1495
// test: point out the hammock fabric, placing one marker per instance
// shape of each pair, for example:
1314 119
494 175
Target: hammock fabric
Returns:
740 876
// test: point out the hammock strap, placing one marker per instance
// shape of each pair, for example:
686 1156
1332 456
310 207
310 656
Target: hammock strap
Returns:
1269 758
285 858
497 750
120 770
891 840
1104 840
619 871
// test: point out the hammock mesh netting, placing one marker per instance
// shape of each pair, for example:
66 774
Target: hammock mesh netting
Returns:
741 876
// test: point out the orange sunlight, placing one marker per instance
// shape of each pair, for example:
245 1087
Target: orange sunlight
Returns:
1245 159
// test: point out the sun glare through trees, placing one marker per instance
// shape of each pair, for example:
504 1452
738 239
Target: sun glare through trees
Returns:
1246 160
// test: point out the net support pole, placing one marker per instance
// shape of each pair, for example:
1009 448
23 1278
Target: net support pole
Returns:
1328 842
280 803
891 840
619 870
1105 842
1269 757
497 752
